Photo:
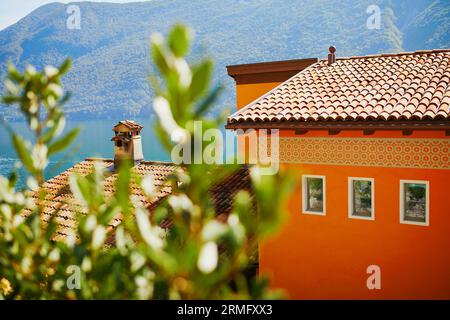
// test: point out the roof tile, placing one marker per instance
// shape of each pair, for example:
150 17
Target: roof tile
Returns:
61 203
401 86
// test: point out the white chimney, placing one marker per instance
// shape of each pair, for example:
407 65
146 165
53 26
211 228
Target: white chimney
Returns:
127 142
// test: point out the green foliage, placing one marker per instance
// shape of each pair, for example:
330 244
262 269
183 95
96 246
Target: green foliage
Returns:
179 41
200 257
63 143
39 95
362 196
416 191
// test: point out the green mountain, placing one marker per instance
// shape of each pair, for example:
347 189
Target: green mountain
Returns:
110 51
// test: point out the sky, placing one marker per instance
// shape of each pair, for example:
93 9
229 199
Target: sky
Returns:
12 11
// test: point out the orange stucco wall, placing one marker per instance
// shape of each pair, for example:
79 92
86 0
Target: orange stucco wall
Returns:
246 93
325 257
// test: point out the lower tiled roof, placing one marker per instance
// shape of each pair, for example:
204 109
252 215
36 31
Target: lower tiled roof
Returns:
66 210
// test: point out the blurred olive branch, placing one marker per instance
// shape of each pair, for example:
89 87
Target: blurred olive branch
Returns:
199 257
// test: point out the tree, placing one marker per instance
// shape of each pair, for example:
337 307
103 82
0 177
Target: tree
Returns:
145 263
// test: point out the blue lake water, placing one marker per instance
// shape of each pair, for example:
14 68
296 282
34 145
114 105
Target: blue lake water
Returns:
94 140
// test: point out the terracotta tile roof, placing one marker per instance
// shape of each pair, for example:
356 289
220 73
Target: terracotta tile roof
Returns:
130 124
398 87
61 203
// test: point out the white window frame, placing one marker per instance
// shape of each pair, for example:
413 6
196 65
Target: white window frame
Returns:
427 204
351 195
305 194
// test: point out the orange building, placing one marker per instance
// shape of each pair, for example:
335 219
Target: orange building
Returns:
368 140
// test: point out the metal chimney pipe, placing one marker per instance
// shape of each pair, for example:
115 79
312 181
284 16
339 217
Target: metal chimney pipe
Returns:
331 55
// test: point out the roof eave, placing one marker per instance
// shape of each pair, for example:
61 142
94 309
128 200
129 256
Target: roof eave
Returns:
269 67
345 125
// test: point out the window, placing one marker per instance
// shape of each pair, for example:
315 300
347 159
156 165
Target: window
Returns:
361 198
414 202
119 143
313 194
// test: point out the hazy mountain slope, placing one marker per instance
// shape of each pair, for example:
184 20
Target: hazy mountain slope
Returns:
430 28
110 52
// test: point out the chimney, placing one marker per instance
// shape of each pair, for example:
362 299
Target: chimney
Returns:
127 142
331 55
